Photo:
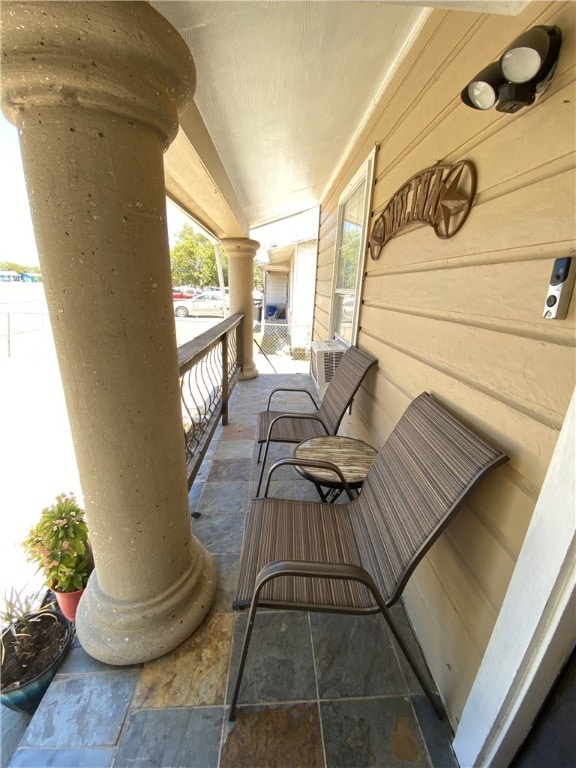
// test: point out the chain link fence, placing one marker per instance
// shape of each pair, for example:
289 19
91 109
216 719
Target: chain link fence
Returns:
281 338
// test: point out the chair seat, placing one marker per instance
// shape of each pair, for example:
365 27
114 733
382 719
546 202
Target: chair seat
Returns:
291 430
305 531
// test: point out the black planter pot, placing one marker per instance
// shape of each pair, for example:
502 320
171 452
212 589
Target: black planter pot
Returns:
26 697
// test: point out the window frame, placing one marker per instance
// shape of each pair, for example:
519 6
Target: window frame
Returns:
364 175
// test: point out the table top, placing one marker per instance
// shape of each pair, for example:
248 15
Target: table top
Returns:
353 457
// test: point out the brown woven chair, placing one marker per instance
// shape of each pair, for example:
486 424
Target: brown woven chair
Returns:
356 557
293 427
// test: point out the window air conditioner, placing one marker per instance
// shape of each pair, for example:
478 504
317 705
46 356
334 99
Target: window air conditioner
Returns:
324 359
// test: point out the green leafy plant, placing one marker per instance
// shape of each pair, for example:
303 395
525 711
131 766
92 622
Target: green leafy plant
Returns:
58 543
17 616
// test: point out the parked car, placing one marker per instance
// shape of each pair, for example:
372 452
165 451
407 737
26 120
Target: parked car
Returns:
207 303
183 292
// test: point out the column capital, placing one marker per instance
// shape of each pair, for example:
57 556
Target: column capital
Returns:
124 58
240 246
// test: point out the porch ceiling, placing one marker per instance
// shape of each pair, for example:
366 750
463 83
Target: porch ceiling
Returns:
283 88
281 255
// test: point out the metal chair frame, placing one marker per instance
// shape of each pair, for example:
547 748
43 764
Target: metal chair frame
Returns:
293 427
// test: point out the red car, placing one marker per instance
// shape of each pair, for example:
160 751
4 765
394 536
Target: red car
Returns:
183 293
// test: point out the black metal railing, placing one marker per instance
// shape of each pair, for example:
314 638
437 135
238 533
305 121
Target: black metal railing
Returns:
209 367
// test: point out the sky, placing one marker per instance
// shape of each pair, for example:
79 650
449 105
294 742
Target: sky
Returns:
17 242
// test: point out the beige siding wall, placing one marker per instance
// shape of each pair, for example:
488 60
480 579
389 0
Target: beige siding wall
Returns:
462 318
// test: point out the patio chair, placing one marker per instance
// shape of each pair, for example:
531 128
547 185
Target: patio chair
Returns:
356 558
293 427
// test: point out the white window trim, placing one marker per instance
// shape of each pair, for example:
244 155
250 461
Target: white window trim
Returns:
366 171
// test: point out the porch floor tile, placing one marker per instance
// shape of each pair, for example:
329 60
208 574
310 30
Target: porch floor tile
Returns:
63 758
285 736
82 710
229 469
363 732
194 674
319 690
171 737
280 664
354 657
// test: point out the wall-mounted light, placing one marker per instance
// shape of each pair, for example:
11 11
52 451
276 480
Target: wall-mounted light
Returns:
523 71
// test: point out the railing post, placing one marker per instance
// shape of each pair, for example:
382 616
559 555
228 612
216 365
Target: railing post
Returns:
240 341
225 393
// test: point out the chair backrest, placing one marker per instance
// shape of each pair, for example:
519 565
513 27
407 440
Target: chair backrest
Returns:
427 466
341 389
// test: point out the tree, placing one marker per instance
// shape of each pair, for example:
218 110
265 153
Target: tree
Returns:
193 262
10 266
258 278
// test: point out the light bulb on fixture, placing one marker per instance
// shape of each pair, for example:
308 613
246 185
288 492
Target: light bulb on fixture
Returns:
523 71
482 92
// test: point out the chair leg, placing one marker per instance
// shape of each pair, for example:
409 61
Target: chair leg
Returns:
263 467
432 697
243 655
321 493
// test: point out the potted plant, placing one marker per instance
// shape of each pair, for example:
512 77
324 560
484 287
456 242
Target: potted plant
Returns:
58 543
34 642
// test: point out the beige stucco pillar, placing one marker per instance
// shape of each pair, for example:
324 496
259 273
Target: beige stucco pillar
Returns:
94 90
241 252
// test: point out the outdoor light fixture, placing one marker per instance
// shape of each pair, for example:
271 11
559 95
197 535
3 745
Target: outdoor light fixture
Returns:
523 71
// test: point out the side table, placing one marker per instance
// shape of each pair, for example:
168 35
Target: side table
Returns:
353 457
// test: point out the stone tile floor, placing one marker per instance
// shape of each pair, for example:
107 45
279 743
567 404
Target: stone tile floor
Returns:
318 689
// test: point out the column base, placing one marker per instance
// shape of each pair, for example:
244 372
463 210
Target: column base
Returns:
248 372
121 632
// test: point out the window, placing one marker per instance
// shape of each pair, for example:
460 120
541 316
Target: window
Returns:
353 217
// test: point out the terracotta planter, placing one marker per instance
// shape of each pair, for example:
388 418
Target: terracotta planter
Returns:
68 602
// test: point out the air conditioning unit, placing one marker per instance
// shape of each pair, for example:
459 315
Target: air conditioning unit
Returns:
324 359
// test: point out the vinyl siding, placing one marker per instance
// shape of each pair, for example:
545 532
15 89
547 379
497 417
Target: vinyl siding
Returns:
462 318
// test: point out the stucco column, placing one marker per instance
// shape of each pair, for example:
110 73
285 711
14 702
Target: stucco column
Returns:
241 252
94 90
